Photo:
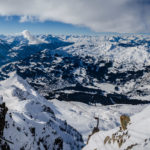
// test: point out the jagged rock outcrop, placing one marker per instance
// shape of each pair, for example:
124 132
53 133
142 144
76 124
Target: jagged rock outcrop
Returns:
3 111
120 136
124 121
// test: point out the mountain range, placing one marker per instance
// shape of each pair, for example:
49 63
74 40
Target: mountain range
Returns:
52 88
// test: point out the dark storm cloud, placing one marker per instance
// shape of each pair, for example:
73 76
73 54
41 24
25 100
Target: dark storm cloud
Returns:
99 15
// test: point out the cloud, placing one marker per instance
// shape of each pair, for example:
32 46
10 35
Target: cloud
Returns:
99 15
31 38
27 19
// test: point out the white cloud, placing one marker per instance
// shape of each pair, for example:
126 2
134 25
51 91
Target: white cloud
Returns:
99 15
31 38
27 19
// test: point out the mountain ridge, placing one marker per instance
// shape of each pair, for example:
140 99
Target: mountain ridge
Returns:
30 121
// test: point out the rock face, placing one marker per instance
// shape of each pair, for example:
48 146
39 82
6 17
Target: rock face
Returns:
3 111
124 120
29 122
120 136
95 129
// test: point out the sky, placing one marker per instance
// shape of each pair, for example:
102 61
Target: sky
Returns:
12 25
75 16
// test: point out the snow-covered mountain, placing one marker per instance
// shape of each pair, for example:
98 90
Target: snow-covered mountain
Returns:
32 122
19 47
90 69
29 121
108 72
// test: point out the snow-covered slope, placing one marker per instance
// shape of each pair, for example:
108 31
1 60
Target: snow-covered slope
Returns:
81 116
30 121
135 137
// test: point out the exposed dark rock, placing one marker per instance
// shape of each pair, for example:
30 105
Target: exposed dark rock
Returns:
58 144
3 110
